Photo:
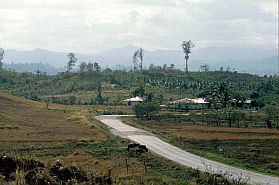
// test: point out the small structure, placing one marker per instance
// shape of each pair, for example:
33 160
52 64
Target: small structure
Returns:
190 104
131 102
247 104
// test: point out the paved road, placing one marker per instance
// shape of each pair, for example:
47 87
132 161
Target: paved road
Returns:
173 153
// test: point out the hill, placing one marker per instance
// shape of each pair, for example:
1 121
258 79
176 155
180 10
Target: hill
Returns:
33 68
240 59
117 85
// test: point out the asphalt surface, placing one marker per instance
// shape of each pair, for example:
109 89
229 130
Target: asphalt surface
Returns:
176 154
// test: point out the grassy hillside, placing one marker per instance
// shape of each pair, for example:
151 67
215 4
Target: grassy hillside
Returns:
29 131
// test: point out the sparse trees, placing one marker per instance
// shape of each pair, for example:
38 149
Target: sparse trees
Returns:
204 67
89 67
187 47
2 54
72 60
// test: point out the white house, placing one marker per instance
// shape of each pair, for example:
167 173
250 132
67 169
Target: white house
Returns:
188 103
131 102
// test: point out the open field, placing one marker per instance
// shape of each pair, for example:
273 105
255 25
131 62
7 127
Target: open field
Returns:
28 130
249 148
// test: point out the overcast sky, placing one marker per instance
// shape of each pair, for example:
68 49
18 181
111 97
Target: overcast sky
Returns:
90 26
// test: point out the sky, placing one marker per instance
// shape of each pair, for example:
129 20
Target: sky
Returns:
91 26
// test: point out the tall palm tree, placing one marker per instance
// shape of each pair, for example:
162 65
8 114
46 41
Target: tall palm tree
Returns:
187 47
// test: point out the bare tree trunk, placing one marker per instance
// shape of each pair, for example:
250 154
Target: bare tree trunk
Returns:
186 66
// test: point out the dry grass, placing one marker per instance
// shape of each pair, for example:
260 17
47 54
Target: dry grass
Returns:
23 122
250 148
28 130
201 132
42 105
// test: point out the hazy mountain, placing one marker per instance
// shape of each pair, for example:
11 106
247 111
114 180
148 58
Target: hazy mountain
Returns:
250 60
33 68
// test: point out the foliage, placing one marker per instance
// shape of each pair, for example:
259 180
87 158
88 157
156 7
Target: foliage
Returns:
72 60
187 47
139 91
220 88
146 109
138 57
272 114
2 54
99 99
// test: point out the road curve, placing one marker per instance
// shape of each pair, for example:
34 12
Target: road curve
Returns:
173 153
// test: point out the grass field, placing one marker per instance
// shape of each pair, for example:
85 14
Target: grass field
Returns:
249 148
28 130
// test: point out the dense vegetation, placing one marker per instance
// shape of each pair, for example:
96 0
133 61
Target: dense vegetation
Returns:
164 84
223 89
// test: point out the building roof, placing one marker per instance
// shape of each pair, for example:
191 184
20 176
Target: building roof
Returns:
247 101
190 101
134 99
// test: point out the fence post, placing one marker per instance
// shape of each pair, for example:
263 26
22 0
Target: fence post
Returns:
127 165
144 166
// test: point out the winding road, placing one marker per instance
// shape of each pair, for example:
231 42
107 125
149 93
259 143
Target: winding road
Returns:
173 153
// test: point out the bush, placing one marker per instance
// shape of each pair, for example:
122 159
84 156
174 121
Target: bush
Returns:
146 109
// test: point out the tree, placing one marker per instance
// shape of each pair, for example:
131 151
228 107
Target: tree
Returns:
82 67
135 60
140 55
254 95
72 60
96 67
204 67
90 66
187 47
272 113
140 91
2 54
99 98
146 109
38 72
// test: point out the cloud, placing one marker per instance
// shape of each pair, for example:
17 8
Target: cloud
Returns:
93 25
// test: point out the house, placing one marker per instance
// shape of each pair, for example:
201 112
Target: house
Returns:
131 102
188 103
248 104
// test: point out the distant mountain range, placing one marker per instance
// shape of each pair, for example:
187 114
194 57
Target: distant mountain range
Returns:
250 60
33 67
